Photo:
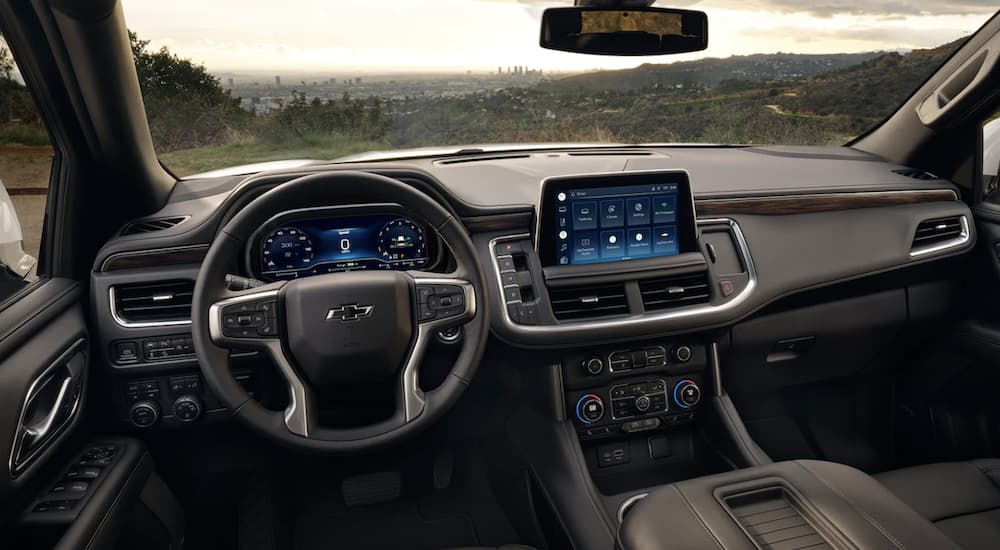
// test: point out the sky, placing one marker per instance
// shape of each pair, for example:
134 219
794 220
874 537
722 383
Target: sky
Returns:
481 35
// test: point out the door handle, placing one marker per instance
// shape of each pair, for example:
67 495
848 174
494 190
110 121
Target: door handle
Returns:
40 429
50 405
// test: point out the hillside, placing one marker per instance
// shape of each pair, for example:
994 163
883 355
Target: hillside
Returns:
711 71
871 88
787 99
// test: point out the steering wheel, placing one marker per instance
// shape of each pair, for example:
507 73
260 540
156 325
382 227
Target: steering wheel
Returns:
340 330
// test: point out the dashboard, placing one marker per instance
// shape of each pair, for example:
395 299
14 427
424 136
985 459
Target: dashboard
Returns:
316 241
711 235
682 242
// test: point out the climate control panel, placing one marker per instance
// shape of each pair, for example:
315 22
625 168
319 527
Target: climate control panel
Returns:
637 405
638 398
623 389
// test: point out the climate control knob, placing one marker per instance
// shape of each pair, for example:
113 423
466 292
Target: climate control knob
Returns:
144 414
593 366
687 394
642 403
187 408
590 408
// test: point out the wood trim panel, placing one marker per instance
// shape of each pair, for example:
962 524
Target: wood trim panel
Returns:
819 202
155 258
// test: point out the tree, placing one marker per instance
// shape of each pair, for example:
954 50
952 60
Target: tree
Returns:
186 106
6 61
16 105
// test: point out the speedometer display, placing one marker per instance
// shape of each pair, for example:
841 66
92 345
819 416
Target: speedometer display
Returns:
286 248
305 247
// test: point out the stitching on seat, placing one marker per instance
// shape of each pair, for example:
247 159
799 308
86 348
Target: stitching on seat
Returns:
864 514
986 471
697 516
987 510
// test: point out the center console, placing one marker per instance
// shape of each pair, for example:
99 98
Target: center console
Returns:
797 504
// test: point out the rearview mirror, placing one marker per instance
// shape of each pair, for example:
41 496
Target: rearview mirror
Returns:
636 31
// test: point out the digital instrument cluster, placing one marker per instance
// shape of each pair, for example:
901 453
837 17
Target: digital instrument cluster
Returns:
313 246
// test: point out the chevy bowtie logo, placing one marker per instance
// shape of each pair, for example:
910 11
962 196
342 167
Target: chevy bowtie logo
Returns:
349 312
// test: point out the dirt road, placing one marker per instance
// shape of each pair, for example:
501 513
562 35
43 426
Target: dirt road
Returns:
24 171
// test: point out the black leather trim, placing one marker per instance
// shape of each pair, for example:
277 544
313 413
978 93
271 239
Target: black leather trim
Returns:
750 452
22 319
552 452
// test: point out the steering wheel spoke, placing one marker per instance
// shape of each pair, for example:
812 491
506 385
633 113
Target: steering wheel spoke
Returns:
441 302
252 319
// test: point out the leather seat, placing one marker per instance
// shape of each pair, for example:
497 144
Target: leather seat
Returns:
961 498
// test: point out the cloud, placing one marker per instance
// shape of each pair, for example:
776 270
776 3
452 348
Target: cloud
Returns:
900 37
817 8
487 33
830 8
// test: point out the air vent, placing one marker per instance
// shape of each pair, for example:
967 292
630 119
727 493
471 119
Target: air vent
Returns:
149 226
166 302
932 232
674 292
916 173
588 301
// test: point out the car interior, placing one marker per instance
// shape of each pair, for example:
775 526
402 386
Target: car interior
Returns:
538 346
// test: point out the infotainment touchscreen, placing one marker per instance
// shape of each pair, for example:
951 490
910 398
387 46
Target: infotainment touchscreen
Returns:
616 218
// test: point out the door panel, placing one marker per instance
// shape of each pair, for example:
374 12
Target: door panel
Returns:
43 370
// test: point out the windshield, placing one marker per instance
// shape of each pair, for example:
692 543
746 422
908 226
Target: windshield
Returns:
232 82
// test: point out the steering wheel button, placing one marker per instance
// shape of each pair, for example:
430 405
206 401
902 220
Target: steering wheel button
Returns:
244 307
238 333
425 313
267 307
424 293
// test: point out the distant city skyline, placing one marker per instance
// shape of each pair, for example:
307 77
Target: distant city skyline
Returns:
405 36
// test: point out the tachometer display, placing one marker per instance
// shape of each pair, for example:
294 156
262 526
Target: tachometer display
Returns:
312 246
401 240
286 248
